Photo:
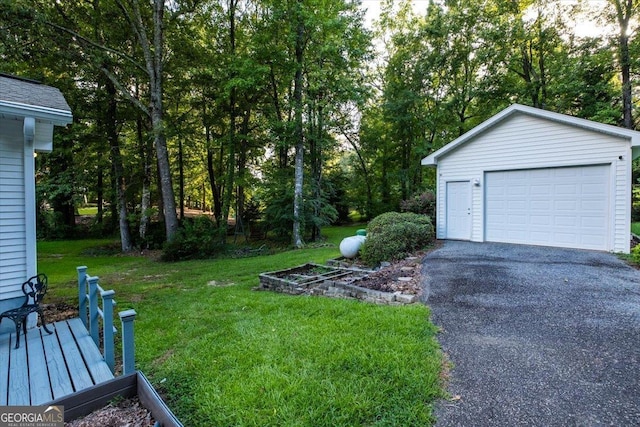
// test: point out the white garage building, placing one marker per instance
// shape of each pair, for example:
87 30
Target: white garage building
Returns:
535 177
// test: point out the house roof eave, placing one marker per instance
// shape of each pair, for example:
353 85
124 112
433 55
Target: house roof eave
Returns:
40 113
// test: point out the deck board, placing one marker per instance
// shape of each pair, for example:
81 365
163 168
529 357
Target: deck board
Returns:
18 374
98 369
40 391
49 366
58 374
4 372
79 374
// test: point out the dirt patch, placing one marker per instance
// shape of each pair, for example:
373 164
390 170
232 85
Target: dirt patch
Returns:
58 311
128 412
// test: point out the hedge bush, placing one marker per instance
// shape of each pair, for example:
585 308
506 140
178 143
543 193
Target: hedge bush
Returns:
395 235
635 255
423 203
197 238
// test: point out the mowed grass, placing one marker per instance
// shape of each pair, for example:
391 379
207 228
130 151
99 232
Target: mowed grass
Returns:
635 228
223 354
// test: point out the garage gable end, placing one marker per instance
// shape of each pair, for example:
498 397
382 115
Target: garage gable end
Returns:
519 110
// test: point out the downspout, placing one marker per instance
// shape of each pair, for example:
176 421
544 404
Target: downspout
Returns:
29 131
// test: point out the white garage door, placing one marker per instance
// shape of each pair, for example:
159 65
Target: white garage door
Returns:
565 207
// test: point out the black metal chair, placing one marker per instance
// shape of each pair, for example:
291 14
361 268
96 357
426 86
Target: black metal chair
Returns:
34 289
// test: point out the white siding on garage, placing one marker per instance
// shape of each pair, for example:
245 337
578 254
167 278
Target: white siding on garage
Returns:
523 141
13 265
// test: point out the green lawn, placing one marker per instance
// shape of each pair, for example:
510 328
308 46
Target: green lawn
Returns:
224 354
89 210
635 228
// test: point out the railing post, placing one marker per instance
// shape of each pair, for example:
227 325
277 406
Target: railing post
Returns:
128 347
82 294
107 327
93 309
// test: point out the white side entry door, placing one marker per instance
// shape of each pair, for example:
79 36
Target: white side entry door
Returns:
459 210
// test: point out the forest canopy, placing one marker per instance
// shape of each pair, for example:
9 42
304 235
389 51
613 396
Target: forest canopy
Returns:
290 115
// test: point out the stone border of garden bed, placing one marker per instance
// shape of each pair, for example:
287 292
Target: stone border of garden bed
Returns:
335 281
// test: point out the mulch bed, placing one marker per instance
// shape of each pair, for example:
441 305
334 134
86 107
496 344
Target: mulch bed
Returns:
58 311
399 276
125 413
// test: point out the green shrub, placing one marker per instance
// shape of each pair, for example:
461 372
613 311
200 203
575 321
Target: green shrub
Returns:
394 235
635 255
197 238
424 203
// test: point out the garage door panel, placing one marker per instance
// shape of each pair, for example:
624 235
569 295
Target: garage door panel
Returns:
540 205
539 190
592 207
517 205
552 207
593 189
591 222
516 190
540 220
591 239
568 206
567 190
564 221
517 219
567 239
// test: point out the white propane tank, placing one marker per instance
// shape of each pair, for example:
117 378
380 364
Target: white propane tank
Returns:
350 246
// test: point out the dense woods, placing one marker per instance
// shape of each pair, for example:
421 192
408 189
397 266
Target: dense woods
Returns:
288 115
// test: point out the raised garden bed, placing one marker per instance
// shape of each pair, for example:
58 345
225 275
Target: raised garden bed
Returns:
329 280
346 263
298 280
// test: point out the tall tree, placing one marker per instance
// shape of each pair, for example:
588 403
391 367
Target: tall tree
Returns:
624 12
299 136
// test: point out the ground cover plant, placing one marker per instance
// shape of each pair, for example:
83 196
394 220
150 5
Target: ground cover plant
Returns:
223 354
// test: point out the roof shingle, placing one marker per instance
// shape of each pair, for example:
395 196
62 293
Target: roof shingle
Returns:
21 91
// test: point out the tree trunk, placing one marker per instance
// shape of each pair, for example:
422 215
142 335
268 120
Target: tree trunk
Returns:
242 166
623 13
181 178
282 148
215 190
229 183
299 137
100 188
145 202
118 169
154 68
316 172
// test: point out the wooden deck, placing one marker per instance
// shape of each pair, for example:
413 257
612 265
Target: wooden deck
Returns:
48 367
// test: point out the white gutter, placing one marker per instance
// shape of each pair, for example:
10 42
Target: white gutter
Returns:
53 115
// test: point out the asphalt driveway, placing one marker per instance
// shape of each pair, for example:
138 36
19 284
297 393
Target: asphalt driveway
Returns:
537 336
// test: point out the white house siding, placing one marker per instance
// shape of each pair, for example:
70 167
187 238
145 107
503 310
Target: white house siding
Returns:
13 261
621 193
527 142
